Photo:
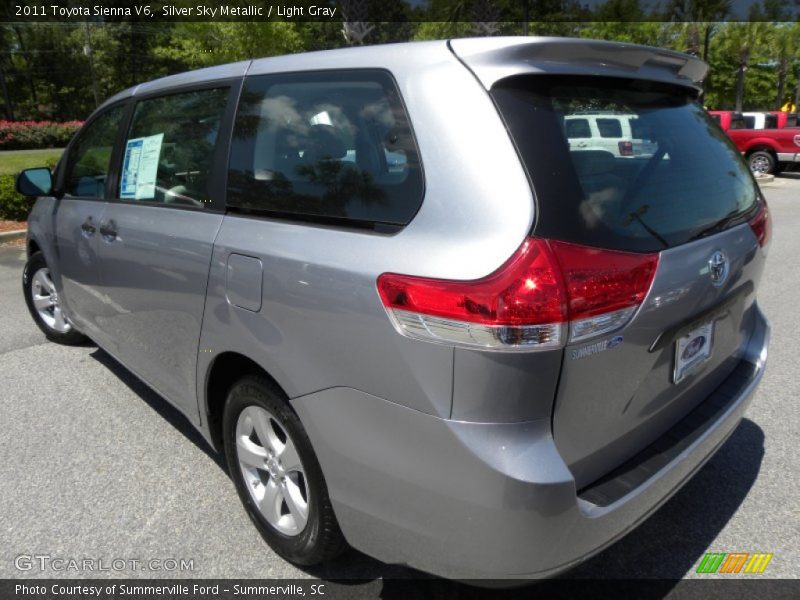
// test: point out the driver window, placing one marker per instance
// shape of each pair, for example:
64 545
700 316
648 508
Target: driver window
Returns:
90 155
169 149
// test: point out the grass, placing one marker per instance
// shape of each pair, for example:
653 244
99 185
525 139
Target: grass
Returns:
14 161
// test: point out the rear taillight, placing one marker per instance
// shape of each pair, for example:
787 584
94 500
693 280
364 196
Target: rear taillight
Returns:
761 224
625 148
604 287
522 304
529 302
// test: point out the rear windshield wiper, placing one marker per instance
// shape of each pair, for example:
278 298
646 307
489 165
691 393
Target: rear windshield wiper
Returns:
637 216
718 225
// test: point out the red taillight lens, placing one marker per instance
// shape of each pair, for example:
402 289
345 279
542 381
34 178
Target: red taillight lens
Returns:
761 224
526 290
625 148
524 303
601 281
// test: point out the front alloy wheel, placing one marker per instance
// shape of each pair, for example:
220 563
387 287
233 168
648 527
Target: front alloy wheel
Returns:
45 304
45 299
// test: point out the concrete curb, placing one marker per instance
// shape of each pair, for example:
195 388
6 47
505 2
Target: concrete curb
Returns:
765 179
11 236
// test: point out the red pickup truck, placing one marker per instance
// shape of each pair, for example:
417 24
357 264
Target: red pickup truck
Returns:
728 119
768 150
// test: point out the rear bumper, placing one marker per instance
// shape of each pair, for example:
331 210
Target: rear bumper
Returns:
485 500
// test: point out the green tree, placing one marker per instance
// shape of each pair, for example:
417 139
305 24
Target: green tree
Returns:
783 49
442 30
202 44
701 19
627 21
739 47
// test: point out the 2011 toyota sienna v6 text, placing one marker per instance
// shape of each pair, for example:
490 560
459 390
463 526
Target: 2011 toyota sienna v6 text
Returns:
414 319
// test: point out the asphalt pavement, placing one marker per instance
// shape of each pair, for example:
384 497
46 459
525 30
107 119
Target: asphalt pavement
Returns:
95 465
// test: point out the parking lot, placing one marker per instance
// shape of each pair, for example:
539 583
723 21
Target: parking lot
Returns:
94 464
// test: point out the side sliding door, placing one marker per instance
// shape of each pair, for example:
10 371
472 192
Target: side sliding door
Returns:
158 230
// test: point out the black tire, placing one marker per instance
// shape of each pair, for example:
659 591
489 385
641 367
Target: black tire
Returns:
70 338
762 161
321 539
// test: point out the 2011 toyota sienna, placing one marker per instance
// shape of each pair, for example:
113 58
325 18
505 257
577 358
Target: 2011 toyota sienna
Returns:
415 321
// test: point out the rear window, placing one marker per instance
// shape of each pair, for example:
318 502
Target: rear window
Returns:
690 182
331 146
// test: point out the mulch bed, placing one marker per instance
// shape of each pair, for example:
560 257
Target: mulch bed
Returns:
12 225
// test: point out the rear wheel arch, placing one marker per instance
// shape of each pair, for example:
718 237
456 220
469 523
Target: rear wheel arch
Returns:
33 247
761 148
226 369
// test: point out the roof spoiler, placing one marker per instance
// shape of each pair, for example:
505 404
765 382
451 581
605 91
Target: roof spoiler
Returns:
493 59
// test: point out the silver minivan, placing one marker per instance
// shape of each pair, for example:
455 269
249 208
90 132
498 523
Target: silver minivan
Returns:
413 319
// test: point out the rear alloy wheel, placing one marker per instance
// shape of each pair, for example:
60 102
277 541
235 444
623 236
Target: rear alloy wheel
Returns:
761 162
44 303
277 474
270 464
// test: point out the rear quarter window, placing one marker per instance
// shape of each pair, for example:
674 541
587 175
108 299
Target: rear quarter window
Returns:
330 146
640 131
609 128
685 181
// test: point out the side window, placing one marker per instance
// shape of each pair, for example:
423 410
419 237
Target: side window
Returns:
170 146
609 128
90 155
332 145
578 128
739 122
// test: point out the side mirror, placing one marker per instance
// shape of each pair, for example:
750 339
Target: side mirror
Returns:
35 182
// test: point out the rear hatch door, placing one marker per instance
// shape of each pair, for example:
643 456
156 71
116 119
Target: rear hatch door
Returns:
690 202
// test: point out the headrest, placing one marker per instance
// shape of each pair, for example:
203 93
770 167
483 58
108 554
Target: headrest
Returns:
323 143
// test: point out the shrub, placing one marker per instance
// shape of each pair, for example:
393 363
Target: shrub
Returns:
13 206
28 135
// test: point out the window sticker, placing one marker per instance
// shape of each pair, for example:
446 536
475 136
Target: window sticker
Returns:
140 167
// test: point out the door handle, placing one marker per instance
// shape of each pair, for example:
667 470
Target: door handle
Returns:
88 228
108 230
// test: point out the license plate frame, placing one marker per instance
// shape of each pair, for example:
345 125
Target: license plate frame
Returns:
693 350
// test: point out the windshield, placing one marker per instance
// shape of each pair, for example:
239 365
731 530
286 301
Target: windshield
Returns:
670 176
